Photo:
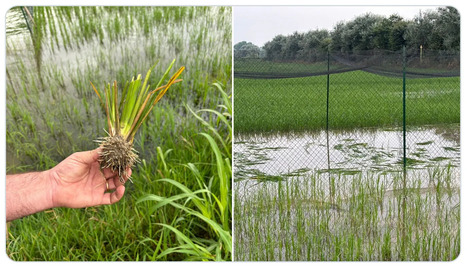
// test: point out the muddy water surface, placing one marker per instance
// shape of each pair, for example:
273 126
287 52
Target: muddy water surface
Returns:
349 152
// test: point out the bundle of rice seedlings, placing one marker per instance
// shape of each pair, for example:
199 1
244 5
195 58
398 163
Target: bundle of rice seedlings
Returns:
124 118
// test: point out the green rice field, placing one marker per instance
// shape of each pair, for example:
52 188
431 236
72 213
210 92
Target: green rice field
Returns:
302 193
179 205
365 217
356 99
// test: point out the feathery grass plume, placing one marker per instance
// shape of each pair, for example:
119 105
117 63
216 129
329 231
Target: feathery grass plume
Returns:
125 117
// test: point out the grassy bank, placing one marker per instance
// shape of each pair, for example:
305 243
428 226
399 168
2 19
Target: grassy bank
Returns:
169 212
366 217
357 99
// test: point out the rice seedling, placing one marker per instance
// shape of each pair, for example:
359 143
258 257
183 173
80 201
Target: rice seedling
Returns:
371 216
124 118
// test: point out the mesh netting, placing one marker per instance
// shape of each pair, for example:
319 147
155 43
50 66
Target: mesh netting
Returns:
344 112
382 62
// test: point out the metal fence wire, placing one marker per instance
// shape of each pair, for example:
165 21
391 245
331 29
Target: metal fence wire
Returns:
346 112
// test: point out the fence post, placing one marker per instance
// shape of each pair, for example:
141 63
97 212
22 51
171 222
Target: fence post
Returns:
327 115
331 198
404 177
404 132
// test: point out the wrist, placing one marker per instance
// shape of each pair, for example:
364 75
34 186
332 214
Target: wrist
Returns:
50 188
52 181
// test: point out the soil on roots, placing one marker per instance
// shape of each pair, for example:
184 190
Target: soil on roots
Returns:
117 154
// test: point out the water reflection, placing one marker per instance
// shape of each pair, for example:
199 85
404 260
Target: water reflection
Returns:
349 152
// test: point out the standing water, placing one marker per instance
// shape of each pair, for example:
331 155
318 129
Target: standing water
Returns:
291 203
52 110
349 152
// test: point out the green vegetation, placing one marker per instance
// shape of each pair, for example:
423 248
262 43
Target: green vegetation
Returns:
357 99
365 209
363 217
432 29
125 116
178 207
260 68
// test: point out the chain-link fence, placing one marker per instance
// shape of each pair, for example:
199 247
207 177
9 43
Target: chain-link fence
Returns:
347 147
346 113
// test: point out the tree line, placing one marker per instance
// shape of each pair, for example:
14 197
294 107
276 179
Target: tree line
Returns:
431 30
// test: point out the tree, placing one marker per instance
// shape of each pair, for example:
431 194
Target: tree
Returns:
397 32
337 37
447 25
275 48
292 46
381 31
246 50
420 31
435 30
358 33
314 44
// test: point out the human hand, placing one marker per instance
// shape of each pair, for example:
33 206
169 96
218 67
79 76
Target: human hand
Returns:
79 182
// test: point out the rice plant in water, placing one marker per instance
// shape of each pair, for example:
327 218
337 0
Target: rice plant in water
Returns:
125 117
373 216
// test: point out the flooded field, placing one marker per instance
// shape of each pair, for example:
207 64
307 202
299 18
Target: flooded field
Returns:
368 217
293 203
349 152
51 107
52 111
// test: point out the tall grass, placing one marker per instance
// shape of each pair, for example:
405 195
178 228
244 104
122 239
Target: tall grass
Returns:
54 113
357 99
210 202
177 208
365 217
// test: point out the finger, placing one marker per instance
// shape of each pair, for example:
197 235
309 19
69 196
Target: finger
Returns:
128 174
115 196
115 181
88 157
108 173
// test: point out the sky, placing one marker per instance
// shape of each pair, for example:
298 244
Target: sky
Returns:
259 24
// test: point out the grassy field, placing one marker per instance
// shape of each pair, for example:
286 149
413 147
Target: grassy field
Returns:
178 207
357 99
364 217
